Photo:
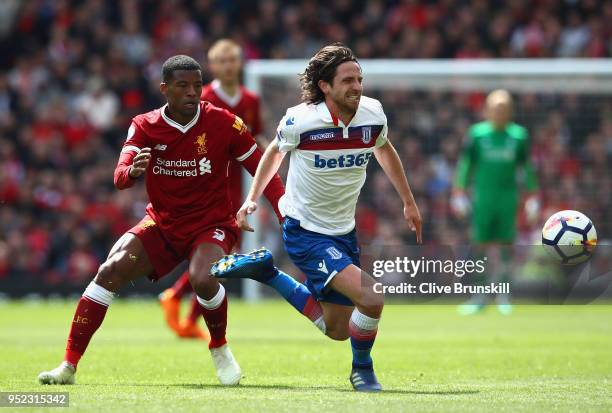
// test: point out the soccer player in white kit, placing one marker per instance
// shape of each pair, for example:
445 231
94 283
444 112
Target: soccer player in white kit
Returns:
331 137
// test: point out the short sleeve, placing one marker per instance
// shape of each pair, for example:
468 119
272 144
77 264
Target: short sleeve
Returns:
286 133
135 139
242 144
382 138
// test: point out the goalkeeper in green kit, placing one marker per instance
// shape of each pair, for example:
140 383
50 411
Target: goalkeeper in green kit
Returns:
494 153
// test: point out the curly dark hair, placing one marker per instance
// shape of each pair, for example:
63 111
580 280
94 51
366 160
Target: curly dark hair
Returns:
322 66
178 62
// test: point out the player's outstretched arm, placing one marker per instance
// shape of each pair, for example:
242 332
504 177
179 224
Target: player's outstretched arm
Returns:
267 168
391 163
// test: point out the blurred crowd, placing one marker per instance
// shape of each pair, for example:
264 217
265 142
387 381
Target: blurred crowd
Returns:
74 72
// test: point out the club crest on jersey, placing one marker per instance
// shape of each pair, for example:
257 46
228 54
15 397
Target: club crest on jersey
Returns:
366 134
200 143
239 125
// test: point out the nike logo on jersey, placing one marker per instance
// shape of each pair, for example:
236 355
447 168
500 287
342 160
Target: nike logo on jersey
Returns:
343 161
290 121
160 147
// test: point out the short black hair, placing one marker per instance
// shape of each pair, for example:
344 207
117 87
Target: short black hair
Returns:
178 62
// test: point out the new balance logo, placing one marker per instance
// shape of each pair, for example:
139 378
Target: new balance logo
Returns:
322 267
205 167
160 147
219 234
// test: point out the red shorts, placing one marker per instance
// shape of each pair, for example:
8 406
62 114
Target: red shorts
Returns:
165 255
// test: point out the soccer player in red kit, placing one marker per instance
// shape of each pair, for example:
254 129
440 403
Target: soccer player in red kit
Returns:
225 91
183 150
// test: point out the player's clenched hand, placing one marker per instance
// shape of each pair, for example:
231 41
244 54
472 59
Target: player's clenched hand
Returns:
241 216
413 217
140 163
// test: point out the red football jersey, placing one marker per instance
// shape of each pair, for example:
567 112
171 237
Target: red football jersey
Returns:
246 105
187 176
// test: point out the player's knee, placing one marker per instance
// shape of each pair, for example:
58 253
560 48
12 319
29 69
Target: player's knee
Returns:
338 334
202 282
337 328
371 304
109 275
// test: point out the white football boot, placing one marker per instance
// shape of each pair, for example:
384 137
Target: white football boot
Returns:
228 370
63 374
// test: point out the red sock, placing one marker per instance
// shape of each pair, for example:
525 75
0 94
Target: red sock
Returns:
182 286
216 321
87 318
196 310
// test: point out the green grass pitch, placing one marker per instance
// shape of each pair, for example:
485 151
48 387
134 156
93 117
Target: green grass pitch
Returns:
428 358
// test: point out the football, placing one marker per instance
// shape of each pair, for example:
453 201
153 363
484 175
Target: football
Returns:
569 236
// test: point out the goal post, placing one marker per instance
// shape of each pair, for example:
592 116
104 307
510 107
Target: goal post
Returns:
578 75
430 103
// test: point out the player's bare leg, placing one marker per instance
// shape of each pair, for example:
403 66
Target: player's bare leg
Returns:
337 318
126 261
361 326
212 298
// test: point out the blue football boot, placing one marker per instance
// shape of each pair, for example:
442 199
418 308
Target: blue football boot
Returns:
257 265
364 380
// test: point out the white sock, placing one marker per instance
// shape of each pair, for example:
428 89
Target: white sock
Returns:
363 322
99 294
214 302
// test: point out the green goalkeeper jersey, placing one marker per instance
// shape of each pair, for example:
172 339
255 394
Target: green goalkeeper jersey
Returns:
493 159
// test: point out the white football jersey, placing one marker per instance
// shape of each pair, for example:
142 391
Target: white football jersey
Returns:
328 163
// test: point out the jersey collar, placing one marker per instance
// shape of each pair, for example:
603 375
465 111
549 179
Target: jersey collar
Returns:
329 117
231 101
325 114
182 128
